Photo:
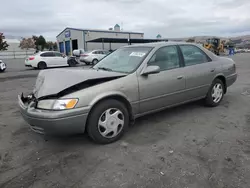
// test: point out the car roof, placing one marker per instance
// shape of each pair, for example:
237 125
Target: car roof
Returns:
99 50
49 51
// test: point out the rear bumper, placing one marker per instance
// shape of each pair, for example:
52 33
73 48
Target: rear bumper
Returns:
53 122
87 60
231 79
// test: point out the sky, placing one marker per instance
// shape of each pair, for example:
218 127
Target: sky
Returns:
170 18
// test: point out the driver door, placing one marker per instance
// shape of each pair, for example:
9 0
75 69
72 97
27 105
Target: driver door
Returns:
165 88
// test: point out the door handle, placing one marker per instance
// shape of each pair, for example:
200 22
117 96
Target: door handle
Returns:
179 77
212 70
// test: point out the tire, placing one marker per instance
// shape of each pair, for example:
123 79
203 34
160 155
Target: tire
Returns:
72 62
213 99
95 61
118 114
2 70
42 65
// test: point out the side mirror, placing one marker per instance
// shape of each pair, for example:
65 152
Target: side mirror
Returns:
152 69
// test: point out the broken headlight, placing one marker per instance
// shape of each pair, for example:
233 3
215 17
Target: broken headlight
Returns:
60 104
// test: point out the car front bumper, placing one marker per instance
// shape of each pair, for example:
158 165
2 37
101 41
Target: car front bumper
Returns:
53 122
231 79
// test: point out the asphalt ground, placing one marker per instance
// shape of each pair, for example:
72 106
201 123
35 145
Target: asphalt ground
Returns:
190 146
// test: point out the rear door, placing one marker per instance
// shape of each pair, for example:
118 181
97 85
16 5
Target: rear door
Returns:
199 69
102 54
48 58
60 59
95 55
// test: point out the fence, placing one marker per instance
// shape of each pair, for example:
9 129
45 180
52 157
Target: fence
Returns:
16 54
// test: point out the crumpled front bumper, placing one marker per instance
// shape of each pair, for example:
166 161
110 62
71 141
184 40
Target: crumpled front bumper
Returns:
53 122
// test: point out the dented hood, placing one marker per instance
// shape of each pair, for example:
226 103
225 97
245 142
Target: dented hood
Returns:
52 82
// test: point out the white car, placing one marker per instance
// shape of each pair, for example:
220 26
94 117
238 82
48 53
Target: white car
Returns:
93 56
2 66
42 60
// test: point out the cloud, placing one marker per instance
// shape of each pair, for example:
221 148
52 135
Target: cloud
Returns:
172 18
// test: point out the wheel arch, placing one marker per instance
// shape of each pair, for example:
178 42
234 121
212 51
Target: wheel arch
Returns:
41 62
117 96
223 79
95 59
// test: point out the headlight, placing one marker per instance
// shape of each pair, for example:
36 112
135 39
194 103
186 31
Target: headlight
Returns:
61 104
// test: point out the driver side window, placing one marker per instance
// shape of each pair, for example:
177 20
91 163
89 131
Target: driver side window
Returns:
166 58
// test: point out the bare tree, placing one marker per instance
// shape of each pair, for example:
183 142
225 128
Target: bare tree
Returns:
27 43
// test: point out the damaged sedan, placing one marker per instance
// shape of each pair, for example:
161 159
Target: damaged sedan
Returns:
131 82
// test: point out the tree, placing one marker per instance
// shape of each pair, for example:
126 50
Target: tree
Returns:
40 42
3 44
27 43
51 45
191 40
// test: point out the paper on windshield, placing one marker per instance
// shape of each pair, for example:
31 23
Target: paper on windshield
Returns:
137 54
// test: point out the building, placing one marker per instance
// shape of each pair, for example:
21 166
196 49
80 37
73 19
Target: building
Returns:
158 36
88 39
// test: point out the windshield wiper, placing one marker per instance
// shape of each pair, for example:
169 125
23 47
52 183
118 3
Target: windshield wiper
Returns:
105 68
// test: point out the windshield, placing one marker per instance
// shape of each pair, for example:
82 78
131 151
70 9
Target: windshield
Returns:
124 59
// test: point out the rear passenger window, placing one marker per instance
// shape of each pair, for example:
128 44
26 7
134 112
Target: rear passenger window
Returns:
47 54
193 55
166 58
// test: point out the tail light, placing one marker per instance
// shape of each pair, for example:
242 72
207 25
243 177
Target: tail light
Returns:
84 55
31 58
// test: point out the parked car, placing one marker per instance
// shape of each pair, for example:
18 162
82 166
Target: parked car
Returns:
2 66
93 57
131 82
42 60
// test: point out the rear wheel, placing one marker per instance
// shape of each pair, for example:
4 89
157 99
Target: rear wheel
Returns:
95 61
42 65
215 93
108 121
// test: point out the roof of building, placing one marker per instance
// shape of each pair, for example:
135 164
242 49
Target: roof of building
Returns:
116 25
124 40
99 30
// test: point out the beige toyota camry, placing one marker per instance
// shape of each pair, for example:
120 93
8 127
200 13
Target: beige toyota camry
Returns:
131 82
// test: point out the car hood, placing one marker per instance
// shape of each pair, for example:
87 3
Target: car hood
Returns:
53 82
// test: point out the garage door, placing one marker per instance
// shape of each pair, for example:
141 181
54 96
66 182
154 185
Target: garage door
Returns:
61 47
67 46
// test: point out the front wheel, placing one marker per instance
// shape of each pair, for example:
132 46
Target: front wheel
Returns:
72 62
215 93
108 121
